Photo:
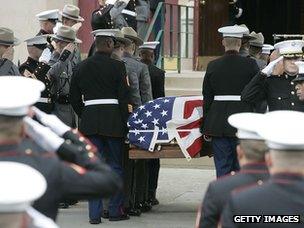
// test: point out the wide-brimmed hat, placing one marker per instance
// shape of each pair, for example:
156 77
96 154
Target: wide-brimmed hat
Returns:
7 37
119 36
258 39
72 12
66 34
131 34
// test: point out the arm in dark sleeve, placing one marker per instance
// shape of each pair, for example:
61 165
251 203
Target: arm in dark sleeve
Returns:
75 93
161 85
80 183
227 215
208 93
123 93
255 91
210 214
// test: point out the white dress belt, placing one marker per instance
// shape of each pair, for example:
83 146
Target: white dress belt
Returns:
100 102
44 100
227 98
129 12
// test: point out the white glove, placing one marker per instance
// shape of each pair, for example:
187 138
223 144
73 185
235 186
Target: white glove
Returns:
269 68
43 136
45 56
51 121
77 26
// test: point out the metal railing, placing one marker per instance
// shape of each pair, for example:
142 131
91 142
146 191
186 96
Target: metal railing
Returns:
175 32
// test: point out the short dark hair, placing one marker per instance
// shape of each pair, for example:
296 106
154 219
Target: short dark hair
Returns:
101 42
10 125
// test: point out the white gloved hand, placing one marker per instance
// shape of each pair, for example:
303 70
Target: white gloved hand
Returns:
269 68
77 26
52 122
45 56
43 136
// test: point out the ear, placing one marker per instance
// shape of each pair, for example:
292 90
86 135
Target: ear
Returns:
240 152
268 160
223 42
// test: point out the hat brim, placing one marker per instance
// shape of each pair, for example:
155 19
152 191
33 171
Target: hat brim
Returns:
292 55
79 19
78 41
256 45
137 40
14 43
125 41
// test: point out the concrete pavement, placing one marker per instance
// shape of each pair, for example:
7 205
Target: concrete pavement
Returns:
180 193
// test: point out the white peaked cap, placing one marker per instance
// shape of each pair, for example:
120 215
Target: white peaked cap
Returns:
17 94
234 31
267 48
283 130
290 47
246 124
48 15
20 186
149 45
36 40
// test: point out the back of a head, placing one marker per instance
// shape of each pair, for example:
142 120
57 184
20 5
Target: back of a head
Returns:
254 150
287 161
255 51
231 43
102 44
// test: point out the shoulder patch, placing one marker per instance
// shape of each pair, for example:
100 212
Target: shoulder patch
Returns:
78 168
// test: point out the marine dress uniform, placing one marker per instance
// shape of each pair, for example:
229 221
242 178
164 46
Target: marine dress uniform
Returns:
283 193
277 90
81 176
99 96
252 173
224 81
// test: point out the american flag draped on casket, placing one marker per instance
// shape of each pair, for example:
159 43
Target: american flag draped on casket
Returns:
164 119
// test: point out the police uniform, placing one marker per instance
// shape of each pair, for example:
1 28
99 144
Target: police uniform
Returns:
283 193
140 93
84 176
257 41
221 101
61 73
7 67
130 17
254 172
100 82
277 90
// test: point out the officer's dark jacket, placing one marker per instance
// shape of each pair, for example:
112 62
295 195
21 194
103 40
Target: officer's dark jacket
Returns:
100 77
218 191
227 75
278 91
157 81
64 180
30 65
281 195
101 18
7 67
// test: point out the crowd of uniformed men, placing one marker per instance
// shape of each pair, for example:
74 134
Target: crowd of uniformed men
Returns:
96 96
259 158
253 117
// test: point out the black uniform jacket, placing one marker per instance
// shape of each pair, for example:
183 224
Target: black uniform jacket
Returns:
30 65
281 195
218 191
157 81
64 180
278 91
100 77
227 75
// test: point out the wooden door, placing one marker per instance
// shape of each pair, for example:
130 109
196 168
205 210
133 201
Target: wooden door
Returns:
213 14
